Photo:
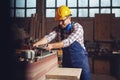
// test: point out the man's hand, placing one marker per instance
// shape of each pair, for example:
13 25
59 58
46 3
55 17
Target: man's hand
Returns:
40 42
35 45
49 47
54 45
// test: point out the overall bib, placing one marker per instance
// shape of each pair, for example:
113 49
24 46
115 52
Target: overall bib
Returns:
74 56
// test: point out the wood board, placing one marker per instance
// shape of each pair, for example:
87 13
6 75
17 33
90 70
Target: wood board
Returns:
64 74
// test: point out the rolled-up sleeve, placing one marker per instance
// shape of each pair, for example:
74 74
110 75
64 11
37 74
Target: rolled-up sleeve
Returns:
77 34
51 36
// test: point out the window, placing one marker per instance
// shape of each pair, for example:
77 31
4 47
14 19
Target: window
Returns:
22 8
85 8
116 7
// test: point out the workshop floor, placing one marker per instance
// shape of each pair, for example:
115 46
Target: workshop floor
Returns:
102 77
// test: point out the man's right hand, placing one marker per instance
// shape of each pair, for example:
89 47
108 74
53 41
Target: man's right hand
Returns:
35 45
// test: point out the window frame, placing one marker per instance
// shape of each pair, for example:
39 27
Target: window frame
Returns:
99 7
25 8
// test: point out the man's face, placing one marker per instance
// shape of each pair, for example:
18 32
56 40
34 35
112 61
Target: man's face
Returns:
63 23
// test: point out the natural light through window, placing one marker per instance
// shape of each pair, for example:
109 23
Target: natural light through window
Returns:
22 8
85 8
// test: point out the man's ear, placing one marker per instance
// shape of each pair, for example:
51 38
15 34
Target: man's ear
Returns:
69 17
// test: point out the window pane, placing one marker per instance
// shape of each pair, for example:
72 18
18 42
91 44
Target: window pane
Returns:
61 2
105 10
50 12
20 3
93 12
116 3
105 2
74 12
117 12
30 11
31 3
12 13
83 13
94 3
50 3
83 3
11 3
20 13
72 3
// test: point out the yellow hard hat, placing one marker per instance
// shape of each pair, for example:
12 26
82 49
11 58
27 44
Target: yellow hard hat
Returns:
62 12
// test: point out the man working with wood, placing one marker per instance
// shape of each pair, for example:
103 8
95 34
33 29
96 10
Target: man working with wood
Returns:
70 38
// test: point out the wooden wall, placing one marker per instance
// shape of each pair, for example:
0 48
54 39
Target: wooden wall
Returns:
88 26
103 26
87 23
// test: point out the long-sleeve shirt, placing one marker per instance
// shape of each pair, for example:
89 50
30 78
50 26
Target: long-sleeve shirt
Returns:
76 35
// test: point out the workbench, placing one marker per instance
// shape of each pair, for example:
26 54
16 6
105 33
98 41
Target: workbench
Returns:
38 69
46 68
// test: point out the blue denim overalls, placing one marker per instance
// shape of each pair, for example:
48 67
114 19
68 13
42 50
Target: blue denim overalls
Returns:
74 56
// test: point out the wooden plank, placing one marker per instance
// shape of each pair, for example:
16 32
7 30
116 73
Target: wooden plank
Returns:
102 26
102 67
64 74
31 27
